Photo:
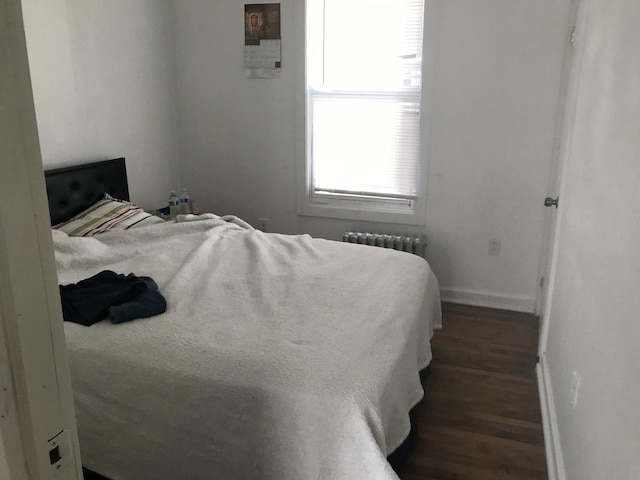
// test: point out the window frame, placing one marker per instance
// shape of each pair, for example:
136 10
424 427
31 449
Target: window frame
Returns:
372 209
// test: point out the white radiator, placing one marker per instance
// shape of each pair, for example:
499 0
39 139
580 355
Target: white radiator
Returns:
415 245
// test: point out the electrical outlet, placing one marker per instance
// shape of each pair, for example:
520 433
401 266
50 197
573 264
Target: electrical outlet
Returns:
575 386
60 456
263 222
494 247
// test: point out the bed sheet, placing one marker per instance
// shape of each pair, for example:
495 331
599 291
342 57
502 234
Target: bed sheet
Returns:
279 356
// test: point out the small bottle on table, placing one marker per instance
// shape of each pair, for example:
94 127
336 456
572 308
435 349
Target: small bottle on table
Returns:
174 205
184 202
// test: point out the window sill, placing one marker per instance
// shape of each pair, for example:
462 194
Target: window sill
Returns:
366 213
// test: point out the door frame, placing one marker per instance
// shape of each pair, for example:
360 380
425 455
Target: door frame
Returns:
33 353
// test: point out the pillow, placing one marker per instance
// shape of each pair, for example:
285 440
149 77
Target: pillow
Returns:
107 214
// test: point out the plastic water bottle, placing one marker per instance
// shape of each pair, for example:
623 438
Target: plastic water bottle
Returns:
184 202
174 205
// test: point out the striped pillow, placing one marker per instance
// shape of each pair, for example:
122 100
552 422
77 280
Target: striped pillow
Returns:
105 215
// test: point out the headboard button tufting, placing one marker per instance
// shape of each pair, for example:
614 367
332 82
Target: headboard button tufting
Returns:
73 189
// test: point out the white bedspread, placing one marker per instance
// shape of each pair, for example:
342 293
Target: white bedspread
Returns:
279 357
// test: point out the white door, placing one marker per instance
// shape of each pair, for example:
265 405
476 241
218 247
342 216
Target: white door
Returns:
565 121
35 386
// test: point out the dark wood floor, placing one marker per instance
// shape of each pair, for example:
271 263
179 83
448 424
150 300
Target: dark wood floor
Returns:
480 418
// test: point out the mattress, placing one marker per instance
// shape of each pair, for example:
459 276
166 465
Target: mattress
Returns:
279 356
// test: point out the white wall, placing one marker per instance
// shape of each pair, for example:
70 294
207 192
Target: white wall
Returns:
496 82
105 74
104 86
594 327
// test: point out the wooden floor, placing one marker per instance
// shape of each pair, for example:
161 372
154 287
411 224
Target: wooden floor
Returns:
480 418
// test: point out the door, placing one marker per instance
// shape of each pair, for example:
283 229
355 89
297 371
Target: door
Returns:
553 203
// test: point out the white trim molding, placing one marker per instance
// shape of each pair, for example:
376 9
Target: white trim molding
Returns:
555 462
517 303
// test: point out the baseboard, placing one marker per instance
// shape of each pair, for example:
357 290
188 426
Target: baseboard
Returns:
482 299
555 463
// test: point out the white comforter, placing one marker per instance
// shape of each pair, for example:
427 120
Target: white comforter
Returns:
279 357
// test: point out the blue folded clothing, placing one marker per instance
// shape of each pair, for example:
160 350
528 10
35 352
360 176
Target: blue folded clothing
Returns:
122 297
147 303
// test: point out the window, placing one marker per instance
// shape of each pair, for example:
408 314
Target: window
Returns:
363 96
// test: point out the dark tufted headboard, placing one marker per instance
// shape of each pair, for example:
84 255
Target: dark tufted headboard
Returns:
73 189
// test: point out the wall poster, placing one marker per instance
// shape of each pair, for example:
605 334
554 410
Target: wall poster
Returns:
262 41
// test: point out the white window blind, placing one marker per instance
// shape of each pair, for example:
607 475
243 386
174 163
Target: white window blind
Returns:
364 62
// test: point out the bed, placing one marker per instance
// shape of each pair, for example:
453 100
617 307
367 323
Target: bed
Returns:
279 356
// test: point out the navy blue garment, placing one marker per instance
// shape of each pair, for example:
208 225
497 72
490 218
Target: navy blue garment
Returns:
88 301
147 303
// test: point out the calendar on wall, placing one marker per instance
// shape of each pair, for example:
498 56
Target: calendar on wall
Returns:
262 40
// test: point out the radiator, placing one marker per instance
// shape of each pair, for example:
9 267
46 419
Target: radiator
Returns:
415 245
